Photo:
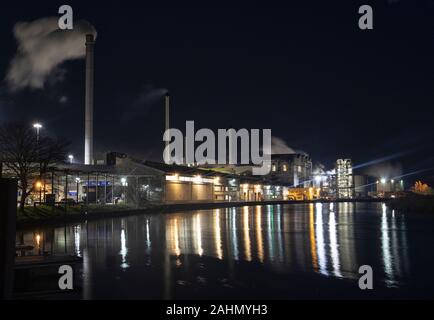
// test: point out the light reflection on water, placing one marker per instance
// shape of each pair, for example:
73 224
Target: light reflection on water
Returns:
326 239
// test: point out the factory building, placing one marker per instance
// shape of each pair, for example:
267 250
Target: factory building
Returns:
289 179
344 179
189 184
361 186
386 188
293 169
122 182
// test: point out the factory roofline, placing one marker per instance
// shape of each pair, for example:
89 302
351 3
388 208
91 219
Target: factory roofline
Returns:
289 155
178 169
134 167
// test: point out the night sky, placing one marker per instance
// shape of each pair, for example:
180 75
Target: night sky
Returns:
302 68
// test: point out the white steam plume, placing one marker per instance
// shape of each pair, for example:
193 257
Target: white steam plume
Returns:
42 48
279 146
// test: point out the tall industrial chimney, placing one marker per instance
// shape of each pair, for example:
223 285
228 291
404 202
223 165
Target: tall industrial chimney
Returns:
167 116
88 137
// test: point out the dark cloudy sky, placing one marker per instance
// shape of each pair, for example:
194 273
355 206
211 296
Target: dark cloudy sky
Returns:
301 68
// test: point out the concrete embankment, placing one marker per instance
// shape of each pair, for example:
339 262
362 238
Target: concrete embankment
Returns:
59 216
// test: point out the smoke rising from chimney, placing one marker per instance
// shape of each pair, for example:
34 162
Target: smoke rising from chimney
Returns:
279 146
42 48
148 98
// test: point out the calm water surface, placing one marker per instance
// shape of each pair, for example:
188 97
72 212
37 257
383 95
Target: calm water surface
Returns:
272 251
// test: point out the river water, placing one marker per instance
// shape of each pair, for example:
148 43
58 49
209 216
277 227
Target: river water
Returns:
294 251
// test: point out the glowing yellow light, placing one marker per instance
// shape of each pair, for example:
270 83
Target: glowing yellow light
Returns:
176 238
247 248
175 177
217 234
313 249
38 240
38 184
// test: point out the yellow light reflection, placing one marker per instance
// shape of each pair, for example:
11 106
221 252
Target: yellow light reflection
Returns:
247 248
217 235
259 239
198 234
312 237
176 238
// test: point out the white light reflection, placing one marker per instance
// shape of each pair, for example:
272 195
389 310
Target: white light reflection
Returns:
279 233
124 250
270 217
77 231
334 245
198 234
148 238
259 241
385 246
319 232
234 234
395 246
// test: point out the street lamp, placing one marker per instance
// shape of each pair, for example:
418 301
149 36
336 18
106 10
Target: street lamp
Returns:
71 158
38 127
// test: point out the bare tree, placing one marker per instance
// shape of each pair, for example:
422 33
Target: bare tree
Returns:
26 158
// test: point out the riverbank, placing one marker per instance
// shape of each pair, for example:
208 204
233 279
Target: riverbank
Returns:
46 215
414 203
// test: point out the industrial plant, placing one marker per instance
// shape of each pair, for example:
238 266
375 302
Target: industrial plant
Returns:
203 152
120 179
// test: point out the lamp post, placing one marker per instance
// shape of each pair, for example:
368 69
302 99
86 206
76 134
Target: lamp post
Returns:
71 158
124 183
38 127
77 180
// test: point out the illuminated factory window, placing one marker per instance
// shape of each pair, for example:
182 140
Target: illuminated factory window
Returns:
273 168
285 168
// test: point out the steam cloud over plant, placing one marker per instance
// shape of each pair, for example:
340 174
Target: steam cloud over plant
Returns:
42 48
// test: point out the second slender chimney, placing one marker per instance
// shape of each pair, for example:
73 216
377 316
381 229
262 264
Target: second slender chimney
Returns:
167 118
88 137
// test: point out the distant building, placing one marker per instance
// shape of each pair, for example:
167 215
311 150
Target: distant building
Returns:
344 179
361 186
388 187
